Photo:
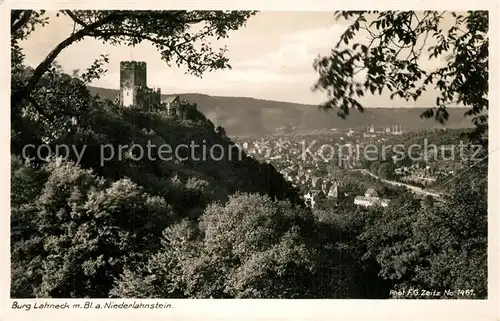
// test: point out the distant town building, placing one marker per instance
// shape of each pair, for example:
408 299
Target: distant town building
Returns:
371 199
384 202
315 182
333 192
371 192
397 130
312 197
364 201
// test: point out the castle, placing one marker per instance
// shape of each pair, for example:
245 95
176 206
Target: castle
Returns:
133 86
135 92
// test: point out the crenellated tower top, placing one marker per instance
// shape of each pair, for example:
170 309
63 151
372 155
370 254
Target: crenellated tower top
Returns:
133 74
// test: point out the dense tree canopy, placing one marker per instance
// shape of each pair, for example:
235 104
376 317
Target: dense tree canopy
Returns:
390 59
76 233
250 247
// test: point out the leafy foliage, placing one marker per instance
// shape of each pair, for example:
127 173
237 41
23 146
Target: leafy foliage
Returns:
79 231
391 60
250 247
442 246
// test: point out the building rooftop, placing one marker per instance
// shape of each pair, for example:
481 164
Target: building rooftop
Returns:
371 191
170 99
364 198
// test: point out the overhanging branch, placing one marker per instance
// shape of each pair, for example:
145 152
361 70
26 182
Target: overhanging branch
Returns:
49 59
75 18
20 21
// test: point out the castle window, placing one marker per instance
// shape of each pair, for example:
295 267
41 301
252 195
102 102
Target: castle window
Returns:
127 93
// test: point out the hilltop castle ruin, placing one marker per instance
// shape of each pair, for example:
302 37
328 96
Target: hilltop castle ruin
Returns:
135 92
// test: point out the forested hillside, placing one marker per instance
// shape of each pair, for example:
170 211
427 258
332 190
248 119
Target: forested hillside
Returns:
181 188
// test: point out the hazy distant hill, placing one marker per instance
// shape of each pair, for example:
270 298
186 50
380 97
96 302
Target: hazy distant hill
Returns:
249 116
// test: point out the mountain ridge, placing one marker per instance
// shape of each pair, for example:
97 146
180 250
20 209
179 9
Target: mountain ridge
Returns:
252 116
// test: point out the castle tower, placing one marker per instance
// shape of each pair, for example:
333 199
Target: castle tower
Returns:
128 96
133 74
133 81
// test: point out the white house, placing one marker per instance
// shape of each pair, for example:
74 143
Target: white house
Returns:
312 197
315 182
333 192
371 201
364 201
384 202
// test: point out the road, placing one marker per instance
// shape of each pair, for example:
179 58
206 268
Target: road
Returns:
415 189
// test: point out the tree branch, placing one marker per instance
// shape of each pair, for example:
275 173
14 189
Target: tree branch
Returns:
95 29
15 14
127 33
75 18
15 26
49 59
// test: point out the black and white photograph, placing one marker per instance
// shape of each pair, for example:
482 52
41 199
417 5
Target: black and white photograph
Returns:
248 154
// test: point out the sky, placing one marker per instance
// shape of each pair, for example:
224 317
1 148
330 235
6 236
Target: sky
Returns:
272 58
